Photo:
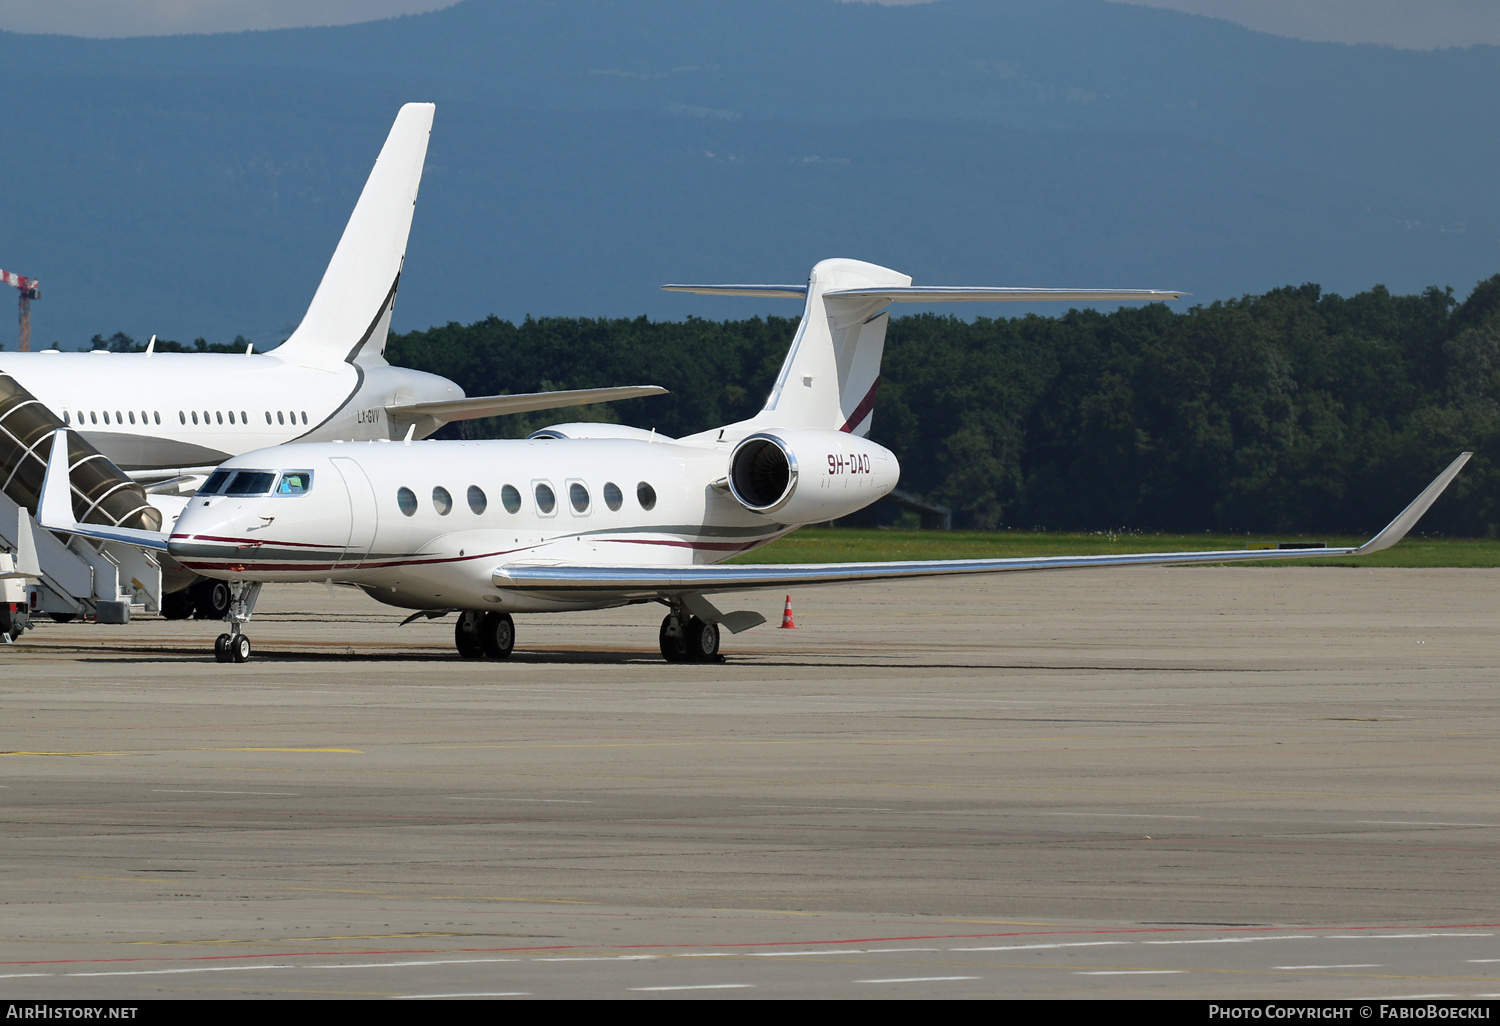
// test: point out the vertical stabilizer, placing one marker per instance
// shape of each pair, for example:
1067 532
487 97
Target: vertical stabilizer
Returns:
351 311
832 370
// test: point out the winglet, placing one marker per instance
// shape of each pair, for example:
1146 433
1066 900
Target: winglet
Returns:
1396 529
27 562
55 510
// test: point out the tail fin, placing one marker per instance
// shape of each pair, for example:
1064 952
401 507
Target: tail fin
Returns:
350 314
832 371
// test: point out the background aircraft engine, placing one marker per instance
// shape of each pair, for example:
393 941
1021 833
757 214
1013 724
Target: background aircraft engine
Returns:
808 476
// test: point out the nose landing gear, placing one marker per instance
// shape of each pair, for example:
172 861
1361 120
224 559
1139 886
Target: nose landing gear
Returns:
234 647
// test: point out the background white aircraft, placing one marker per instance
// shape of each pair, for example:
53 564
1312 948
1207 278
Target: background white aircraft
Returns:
166 419
585 516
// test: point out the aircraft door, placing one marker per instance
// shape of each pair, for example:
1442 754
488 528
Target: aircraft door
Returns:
363 511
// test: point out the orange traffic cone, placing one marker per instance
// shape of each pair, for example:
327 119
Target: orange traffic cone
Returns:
787 623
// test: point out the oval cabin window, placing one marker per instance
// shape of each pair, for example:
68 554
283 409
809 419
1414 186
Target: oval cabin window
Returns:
546 499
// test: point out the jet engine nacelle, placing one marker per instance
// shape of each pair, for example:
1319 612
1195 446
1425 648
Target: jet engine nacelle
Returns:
805 476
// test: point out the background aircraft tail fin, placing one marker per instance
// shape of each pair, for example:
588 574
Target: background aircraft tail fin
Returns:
350 313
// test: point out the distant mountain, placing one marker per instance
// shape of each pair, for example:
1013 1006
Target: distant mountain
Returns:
586 151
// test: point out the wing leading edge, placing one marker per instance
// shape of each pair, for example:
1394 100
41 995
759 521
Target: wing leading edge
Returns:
666 581
526 402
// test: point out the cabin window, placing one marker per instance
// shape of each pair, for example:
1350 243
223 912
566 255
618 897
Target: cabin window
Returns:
144 419
156 415
612 497
406 499
244 417
231 416
546 500
92 418
294 482
182 416
251 482
106 416
268 416
119 419
304 416
195 416
279 418
220 416
132 416
510 498
477 500
205 417
442 501
578 496
66 419
645 495
214 483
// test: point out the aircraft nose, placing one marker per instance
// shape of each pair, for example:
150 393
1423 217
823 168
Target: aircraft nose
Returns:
203 532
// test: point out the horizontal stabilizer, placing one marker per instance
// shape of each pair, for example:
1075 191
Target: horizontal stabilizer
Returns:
527 402
938 293
761 291
965 294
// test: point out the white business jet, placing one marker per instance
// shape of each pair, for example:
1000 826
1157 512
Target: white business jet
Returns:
153 414
589 516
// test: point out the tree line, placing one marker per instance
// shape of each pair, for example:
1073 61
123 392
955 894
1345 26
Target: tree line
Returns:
1293 411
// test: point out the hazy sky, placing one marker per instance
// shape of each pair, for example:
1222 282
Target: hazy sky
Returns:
1416 24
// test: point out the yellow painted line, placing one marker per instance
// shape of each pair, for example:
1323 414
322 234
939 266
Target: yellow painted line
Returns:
70 755
725 743
335 751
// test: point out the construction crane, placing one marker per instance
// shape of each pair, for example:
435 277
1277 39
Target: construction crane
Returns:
28 293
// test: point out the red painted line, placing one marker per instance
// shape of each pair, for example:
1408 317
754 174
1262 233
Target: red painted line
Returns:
256 541
240 566
862 410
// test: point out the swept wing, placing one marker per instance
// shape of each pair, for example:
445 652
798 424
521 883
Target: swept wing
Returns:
665 581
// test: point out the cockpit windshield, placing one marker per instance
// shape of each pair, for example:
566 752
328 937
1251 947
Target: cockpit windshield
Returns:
294 482
251 482
257 482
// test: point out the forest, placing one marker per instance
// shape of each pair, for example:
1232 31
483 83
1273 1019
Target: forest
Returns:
1293 411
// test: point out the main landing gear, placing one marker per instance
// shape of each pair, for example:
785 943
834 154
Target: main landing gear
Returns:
489 634
689 639
234 647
